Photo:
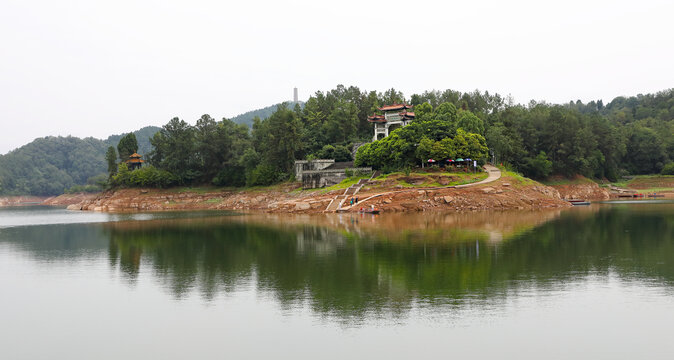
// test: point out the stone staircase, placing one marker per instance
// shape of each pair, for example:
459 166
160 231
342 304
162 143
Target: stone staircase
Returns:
351 191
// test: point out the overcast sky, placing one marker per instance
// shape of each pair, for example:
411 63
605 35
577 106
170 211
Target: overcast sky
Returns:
95 68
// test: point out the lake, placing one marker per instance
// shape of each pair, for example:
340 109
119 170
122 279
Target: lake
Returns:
594 282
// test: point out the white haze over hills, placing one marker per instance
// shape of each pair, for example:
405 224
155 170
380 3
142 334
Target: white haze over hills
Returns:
90 68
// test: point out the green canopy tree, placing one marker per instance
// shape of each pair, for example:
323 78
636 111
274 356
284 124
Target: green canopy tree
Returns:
111 159
127 146
470 123
175 151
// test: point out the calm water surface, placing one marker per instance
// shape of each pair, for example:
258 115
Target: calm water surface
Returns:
592 283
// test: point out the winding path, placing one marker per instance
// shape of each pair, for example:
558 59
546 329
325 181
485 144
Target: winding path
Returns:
493 174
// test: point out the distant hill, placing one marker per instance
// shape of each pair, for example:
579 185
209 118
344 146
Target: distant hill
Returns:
247 118
49 165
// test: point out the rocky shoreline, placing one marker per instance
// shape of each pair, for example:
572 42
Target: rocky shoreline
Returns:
505 193
587 191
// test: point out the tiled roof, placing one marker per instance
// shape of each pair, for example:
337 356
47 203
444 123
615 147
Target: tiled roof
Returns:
395 107
376 118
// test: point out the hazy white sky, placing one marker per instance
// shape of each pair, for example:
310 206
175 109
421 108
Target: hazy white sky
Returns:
94 68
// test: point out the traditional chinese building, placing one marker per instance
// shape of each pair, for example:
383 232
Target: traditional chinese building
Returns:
394 116
135 161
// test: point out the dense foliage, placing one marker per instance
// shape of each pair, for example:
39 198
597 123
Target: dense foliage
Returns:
632 135
54 164
438 134
211 151
127 146
146 176
49 165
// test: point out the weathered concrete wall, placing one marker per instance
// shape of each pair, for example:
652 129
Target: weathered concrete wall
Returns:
319 173
320 178
313 165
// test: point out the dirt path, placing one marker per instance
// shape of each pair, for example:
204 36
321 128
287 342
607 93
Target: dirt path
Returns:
493 172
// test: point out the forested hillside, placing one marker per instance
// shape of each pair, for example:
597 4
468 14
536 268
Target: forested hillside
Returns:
629 135
247 117
50 165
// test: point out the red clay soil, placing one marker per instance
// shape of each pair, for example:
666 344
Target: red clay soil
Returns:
505 193
585 191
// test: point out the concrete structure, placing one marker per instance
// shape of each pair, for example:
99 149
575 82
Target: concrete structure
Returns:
395 116
295 97
322 172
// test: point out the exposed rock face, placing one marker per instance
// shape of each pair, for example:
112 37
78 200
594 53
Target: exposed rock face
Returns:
585 191
20 200
302 206
498 195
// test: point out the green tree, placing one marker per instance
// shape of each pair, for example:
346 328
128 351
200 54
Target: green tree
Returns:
111 158
470 123
539 167
127 146
668 169
175 151
469 145
424 150
277 140
444 149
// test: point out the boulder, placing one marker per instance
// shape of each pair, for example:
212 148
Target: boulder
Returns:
74 207
302 206
444 180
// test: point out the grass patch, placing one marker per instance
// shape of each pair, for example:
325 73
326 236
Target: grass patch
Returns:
469 178
557 180
647 183
518 178
344 184
193 190
427 179
652 182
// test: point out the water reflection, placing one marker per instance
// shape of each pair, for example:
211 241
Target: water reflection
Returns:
357 266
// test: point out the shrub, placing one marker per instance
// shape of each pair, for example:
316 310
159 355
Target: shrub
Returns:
230 176
668 169
264 174
147 176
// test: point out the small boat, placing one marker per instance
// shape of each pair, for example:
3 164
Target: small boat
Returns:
656 195
370 211
578 202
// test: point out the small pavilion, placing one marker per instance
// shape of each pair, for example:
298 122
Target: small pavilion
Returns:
135 161
393 117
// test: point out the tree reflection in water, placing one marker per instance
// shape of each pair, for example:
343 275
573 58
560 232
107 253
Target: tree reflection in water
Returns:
352 266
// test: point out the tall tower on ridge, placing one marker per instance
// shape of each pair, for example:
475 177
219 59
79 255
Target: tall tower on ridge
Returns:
295 98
